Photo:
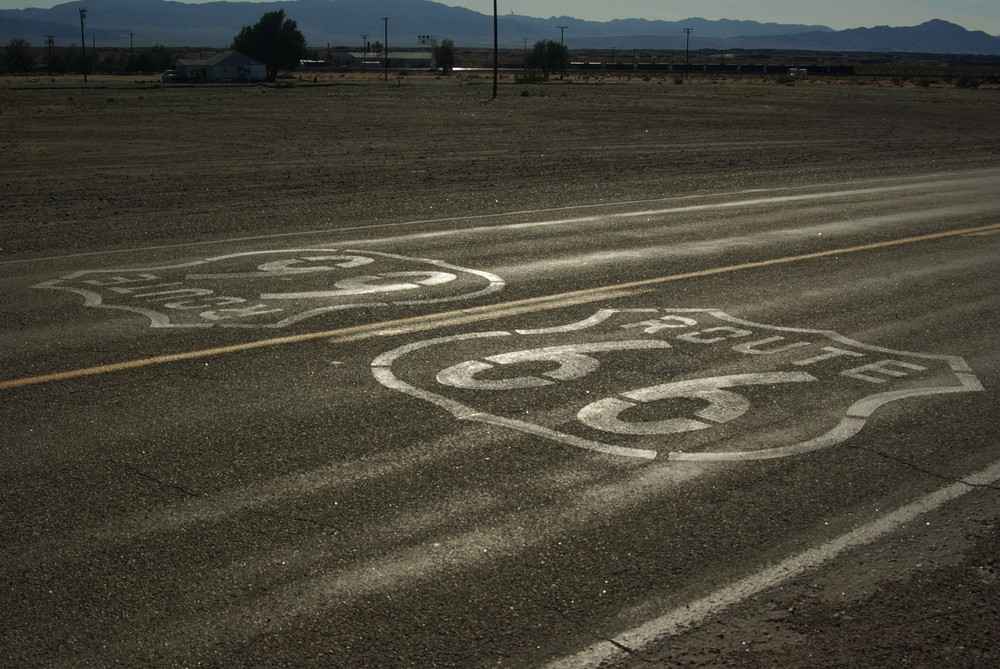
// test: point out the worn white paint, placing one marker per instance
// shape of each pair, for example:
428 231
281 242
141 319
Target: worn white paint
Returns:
721 397
173 296
287 266
572 361
722 405
362 285
381 369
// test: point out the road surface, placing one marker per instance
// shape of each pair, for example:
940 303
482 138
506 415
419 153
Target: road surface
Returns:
737 426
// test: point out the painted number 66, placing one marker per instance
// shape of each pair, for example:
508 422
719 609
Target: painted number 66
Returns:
573 363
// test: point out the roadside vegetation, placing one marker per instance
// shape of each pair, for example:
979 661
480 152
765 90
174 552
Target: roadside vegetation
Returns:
276 41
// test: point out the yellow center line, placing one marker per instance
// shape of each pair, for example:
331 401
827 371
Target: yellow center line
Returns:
474 314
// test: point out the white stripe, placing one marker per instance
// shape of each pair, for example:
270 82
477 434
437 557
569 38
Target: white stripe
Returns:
676 620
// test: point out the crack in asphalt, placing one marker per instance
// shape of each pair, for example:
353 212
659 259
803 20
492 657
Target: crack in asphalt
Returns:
149 477
923 470
297 519
617 644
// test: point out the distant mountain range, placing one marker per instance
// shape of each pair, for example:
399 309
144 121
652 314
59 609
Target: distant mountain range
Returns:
343 22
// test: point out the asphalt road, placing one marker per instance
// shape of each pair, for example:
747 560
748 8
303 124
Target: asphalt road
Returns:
752 427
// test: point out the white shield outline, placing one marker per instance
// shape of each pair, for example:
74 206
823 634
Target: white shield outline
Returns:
854 419
92 298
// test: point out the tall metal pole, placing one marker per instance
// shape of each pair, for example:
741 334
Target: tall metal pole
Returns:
83 43
687 46
50 41
496 52
364 56
385 50
562 42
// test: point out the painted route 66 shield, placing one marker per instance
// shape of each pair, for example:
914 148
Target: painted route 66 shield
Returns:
274 288
686 384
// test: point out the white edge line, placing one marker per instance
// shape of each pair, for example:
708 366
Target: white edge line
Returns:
678 619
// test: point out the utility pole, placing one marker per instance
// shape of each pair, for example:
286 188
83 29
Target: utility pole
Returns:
562 42
83 43
131 45
385 48
496 52
687 47
50 42
364 56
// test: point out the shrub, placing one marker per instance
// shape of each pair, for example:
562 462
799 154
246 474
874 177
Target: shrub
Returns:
967 80
529 76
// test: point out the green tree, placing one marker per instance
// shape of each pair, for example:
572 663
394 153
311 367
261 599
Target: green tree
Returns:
965 80
152 59
112 63
17 56
444 55
549 57
65 60
274 41
70 59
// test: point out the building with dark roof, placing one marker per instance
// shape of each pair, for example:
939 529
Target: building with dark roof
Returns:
223 66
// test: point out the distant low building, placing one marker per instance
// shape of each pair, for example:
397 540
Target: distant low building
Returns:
397 59
223 66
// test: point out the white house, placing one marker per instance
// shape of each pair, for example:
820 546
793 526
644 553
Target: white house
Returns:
223 66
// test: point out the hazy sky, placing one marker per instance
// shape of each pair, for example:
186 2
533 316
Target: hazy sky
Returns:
837 14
